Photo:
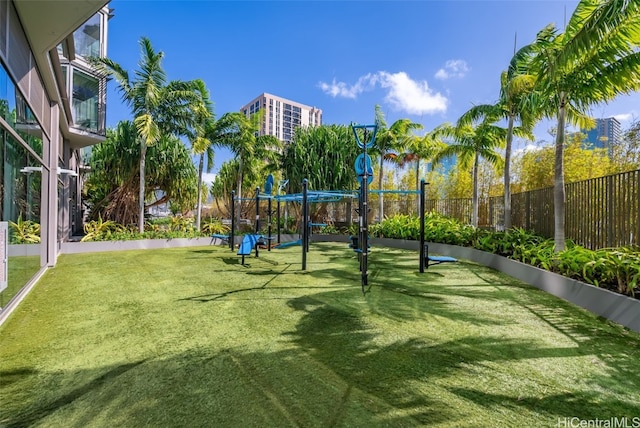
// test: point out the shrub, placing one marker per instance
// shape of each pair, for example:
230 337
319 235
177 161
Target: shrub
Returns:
24 231
211 226
99 230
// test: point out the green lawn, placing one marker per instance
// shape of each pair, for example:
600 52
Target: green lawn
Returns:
189 337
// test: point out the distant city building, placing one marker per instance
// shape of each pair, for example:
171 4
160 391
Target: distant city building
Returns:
282 116
606 132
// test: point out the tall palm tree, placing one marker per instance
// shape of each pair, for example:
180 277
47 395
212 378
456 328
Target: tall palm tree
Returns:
159 107
201 144
593 61
469 145
422 148
390 140
516 90
253 152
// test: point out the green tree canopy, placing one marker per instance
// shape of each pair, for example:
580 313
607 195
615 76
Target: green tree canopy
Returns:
324 155
112 186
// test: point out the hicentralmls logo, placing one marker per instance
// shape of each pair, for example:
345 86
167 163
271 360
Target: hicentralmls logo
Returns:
614 422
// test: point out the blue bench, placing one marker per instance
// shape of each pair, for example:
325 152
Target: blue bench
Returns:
223 238
355 244
248 244
289 244
435 260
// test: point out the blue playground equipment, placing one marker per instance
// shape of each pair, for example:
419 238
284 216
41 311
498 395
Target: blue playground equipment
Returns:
365 172
250 243
425 259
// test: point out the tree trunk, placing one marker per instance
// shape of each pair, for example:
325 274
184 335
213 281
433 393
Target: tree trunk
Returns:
474 197
558 185
143 160
507 175
418 183
199 205
380 195
239 193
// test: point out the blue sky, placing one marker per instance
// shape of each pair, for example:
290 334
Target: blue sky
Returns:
428 61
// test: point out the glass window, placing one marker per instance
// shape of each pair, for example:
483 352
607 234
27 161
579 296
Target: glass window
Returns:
85 101
14 109
87 37
20 205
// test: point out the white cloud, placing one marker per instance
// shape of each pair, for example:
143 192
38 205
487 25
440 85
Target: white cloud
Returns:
411 96
626 117
403 93
343 90
208 177
453 68
527 148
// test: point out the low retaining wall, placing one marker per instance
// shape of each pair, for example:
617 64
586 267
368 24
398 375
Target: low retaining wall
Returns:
151 244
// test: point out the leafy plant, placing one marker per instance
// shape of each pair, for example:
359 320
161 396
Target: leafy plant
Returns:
179 223
24 231
100 230
212 226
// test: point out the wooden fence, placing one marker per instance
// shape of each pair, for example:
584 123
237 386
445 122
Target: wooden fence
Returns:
599 213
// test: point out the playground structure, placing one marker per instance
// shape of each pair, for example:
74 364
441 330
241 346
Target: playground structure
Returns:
365 138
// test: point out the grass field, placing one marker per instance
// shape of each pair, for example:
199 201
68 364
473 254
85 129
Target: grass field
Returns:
188 337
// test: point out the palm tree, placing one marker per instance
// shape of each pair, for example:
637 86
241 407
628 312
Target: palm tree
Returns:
423 148
593 61
388 141
200 142
516 89
470 144
255 153
159 107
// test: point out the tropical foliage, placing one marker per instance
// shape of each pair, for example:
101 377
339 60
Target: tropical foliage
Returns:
160 108
324 155
470 143
112 186
24 231
390 141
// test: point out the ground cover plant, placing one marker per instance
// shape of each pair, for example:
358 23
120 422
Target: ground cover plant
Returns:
189 337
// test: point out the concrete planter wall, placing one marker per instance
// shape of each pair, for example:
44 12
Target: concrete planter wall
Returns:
24 250
142 244
612 306
149 244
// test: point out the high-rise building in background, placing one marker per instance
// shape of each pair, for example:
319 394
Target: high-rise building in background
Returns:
281 116
606 133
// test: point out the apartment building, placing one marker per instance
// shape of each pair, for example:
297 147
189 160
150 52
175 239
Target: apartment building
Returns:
52 106
281 117
606 132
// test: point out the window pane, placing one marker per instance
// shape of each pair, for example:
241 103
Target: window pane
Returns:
87 38
85 101
14 109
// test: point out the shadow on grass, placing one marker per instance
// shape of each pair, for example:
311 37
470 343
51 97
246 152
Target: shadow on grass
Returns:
586 406
341 341
39 411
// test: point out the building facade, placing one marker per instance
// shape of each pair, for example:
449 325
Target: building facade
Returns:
52 106
281 117
606 133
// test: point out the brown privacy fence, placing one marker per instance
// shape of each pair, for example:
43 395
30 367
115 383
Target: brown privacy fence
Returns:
599 213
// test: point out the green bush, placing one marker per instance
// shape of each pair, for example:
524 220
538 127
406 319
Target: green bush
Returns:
24 231
99 230
211 226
